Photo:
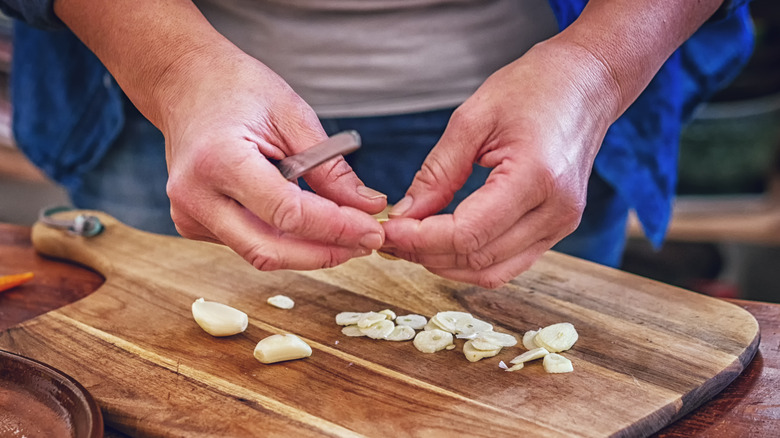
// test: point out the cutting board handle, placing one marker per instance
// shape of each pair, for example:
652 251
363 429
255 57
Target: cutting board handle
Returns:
89 251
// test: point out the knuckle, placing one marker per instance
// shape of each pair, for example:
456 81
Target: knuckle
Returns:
468 238
479 260
287 215
264 260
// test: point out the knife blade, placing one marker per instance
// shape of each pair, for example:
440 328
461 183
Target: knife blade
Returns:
299 164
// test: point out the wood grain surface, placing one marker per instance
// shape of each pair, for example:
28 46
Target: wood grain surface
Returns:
648 353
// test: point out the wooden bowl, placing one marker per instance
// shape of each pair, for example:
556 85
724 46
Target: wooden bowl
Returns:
37 400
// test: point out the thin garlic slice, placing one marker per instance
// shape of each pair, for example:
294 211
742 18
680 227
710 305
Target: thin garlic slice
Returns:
414 321
536 353
370 318
389 313
557 337
473 354
278 348
516 367
401 333
378 330
352 330
496 338
218 319
483 344
281 301
528 339
432 341
555 364
348 318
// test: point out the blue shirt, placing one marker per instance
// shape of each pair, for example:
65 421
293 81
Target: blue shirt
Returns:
68 109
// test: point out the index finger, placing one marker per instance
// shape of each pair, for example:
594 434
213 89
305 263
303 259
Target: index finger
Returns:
257 184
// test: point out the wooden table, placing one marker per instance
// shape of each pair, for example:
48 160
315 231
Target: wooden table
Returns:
750 406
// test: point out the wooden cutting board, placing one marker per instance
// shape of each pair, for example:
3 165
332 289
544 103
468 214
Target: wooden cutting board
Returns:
647 353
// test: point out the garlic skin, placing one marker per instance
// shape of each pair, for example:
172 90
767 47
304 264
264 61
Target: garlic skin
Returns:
218 319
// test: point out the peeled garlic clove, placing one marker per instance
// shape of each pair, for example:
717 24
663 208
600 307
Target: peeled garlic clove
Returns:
432 341
473 354
348 318
278 348
370 318
496 338
528 339
218 319
352 330
389 313
557 337
536 353
281 301
556 364
378 330
401 333
414 321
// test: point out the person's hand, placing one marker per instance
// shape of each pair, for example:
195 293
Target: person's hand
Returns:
223 121
538 124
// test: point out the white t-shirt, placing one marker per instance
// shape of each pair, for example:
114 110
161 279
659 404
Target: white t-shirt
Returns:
379 57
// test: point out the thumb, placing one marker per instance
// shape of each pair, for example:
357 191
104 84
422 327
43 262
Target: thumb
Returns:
444 171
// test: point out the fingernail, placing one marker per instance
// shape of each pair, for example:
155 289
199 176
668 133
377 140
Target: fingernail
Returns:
361 252
368 192
401 207
371 241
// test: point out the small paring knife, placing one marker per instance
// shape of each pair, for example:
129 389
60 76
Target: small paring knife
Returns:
299 164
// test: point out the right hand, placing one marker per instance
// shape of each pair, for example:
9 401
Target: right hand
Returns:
222 120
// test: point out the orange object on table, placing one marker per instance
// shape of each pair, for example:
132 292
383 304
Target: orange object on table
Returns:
9 281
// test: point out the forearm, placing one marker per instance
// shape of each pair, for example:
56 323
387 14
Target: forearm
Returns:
625 43
150 47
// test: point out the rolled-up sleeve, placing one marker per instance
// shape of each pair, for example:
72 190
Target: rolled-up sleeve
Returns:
37 13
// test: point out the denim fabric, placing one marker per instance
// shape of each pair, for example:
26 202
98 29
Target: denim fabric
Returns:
68 111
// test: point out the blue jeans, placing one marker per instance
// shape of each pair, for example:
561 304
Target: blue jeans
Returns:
129 183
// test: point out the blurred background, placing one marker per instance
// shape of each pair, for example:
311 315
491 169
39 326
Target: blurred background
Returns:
724 239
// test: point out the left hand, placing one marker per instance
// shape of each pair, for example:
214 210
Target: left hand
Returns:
538 123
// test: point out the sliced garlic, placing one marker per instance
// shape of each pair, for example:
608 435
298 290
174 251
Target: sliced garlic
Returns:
389 313
557 337
348 318
528 339
378 330
496 338
431 325
401 333
536 353
516 367
414 321
432 341
555 364
218 319
449 321
473 354
483 344
278 348
281 301
352 330
370 318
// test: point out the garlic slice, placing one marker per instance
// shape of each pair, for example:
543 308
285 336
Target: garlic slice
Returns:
348 318
218 319
536 353
414 321
389 313
352 330
432 341
557 337
281 301
378 330
528 339
370 318
278 348
401 333
496 338
473 354
556 364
